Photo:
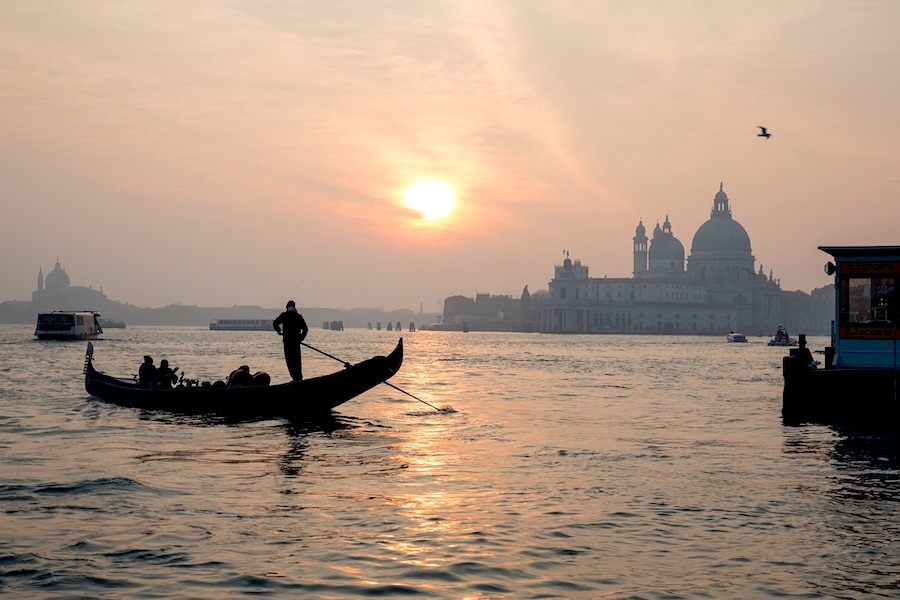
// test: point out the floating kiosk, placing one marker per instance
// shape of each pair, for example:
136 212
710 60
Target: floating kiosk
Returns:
858 384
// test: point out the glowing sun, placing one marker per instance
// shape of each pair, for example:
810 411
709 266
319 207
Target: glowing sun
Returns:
431 198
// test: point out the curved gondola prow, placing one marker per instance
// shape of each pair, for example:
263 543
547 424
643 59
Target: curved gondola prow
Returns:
88 357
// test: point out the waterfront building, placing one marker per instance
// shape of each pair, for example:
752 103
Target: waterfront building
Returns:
715 290
487 312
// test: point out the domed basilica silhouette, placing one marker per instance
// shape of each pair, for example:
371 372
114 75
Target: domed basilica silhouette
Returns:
716 290
54 292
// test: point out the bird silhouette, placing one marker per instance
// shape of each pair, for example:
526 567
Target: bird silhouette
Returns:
764 133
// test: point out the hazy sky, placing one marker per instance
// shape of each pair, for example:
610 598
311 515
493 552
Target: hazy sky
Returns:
246 152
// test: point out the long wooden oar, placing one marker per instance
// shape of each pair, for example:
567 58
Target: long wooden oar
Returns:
348 365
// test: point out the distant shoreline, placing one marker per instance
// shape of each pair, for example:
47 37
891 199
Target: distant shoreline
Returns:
24 312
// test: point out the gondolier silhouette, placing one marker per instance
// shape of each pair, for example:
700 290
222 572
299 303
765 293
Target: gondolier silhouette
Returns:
292 327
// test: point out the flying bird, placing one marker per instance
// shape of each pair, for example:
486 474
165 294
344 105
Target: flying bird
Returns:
764 133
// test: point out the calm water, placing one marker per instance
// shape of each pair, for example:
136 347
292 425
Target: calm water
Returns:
570 466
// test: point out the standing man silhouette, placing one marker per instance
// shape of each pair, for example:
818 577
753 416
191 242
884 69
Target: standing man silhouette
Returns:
291 326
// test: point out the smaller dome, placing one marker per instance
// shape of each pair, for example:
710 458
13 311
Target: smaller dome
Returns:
666 248
666 251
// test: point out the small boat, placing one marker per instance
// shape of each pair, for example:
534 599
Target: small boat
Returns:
781 338
112 324
68 325
734 336
305 399
859 384
241 325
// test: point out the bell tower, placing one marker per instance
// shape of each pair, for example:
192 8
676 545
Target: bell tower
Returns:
640 249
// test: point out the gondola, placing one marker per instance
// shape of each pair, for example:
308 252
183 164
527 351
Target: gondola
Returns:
297 400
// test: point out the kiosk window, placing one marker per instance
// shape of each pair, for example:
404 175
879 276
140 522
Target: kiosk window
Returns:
868 300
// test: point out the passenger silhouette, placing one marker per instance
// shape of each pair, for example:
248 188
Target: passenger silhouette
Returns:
147 373
165 377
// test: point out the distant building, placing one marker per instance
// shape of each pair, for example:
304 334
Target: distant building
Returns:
809 313
54 292
485 312
718 290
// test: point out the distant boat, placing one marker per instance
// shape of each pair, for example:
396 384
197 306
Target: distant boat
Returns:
68 325
781 338
734 336
241 325
112 324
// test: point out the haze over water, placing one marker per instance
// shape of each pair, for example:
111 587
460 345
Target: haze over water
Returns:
571 466
392 153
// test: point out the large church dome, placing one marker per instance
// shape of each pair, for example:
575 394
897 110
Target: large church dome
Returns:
721 232
57 278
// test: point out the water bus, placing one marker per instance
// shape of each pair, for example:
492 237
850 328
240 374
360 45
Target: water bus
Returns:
68 325
241 325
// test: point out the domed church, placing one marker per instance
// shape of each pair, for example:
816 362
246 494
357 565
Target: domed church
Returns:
716 291
54 292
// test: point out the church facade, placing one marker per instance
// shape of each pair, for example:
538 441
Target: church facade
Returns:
715 290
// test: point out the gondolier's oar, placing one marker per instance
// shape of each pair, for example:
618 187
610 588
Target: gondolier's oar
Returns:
348 365
411 396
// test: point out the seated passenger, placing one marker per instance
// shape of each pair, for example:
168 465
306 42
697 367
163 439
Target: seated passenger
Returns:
147 373
239 377
260 379
165 377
